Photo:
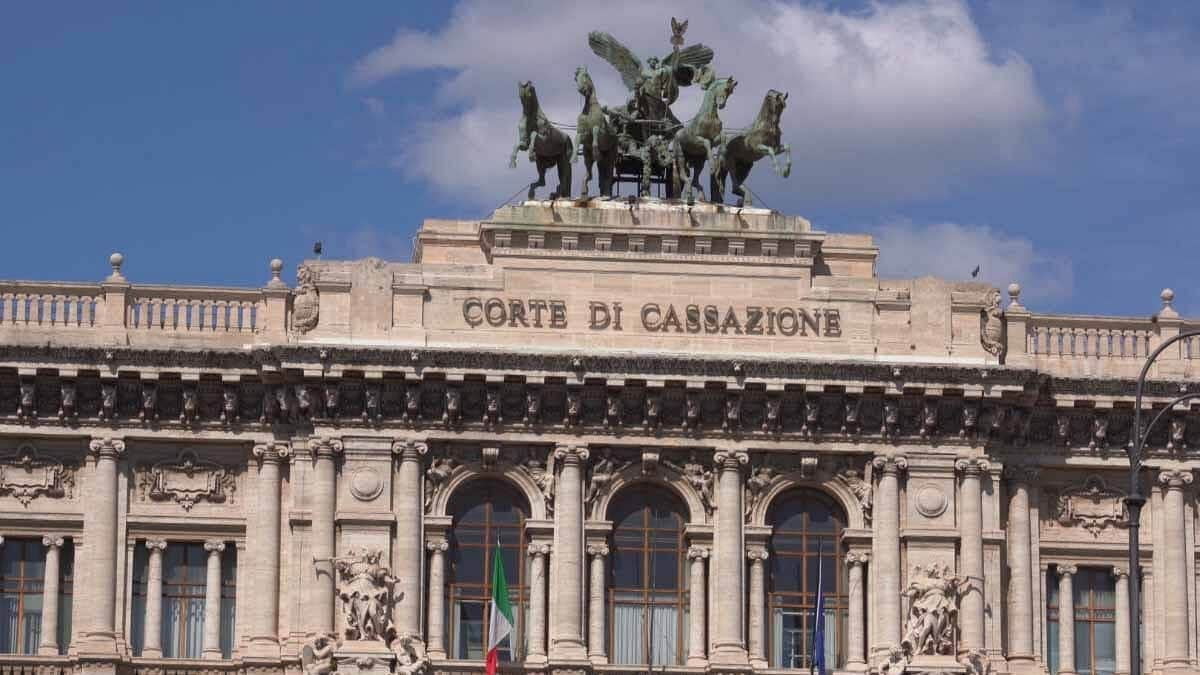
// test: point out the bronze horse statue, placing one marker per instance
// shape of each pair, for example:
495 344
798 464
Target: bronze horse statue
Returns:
547 145
762 139
595 139
700 140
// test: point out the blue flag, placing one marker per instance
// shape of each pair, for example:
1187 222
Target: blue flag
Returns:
818 639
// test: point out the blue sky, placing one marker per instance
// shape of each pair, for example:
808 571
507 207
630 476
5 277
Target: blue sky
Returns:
1056 144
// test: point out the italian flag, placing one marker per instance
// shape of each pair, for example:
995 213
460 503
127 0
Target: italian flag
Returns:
500 624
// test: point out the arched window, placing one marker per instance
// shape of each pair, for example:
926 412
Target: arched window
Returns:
805 555
488 519
647 590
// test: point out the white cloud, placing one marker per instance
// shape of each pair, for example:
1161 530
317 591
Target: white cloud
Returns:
951 251
896 101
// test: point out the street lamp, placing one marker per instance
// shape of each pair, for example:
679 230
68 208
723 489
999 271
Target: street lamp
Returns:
1136 500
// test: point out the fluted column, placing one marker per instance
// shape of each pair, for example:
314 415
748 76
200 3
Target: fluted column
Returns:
1122 617
1066 619
436 642
538 553
152 626
566 633
1020 565
48 645
596 614
409 537
1175 613
262 612
325 452
212 600
856 629
758 598
728 647
886 550
100 557
971 553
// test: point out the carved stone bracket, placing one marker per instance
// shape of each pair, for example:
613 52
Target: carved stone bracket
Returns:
187 480
25 475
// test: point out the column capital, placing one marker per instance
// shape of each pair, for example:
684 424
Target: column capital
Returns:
409 450
1175 479
158 545
571 454
1021 473
1119 572
275 452
111 448
856 559
325 447
214 546
973 467
698 553
53 541
1067 569
598 550
437 545
756 554
730 459
542 550
892 465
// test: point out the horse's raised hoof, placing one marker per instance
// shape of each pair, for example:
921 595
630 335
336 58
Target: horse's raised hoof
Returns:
532 192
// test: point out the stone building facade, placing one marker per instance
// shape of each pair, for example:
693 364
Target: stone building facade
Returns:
674 426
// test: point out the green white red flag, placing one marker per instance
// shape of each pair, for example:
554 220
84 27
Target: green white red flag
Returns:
500 625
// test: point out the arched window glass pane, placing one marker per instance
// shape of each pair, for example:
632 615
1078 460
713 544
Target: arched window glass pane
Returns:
487 520
805 556
648 582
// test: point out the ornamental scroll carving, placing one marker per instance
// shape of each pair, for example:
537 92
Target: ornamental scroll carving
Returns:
1093 505
991 324
25 475
186 480
306 301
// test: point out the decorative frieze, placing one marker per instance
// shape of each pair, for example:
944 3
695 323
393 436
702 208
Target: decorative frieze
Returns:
25 475
186 480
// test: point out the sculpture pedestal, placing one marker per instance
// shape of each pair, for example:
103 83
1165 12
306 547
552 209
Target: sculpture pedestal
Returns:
363 657
936 665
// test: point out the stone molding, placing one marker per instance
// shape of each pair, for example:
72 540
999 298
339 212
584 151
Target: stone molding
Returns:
1175 479
890 464
110 448
325 448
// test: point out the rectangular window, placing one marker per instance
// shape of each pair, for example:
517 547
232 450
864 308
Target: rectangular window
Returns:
22 576
184 577
1095 622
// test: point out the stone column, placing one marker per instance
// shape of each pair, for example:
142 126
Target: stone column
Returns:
325 452
436 646
262 611
409 538
1020 566
856 629
596 614
212 600
100 556
886 557
1175 614
1122 619
537 602
758 598
1066 619
971 553
152 626
48 645
566 634
728 647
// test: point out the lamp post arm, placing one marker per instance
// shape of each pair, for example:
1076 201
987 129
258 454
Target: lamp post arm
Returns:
1135 457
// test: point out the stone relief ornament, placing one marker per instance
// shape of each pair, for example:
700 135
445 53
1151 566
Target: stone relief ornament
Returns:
366 588
653 417
991 324
542 473
66 406
1099 432
1093 505
533 407
933 611
930 501
435 478
26 476
491 408
316 657
853 479
600 477
306 301
229 404
1177 434
411 657
187 480
699 477
756 486
772 418
27 408
366 484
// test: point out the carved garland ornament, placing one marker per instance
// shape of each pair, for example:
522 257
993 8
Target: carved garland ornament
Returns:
1092 505
186 480
25 475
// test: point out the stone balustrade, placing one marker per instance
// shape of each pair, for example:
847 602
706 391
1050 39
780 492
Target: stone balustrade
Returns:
49 305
